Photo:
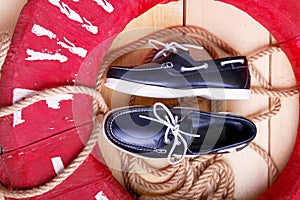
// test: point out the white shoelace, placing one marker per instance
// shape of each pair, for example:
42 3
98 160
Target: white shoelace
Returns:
173 127
173 47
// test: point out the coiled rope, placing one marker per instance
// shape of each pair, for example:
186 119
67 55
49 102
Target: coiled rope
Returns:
99 107
4 46
209 176
203 177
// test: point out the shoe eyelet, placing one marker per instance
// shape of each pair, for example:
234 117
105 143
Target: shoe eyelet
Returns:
161 151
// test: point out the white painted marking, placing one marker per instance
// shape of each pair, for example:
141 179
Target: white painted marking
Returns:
58 165
89 26
72 48
41 31
101 196
106 5
76 0
53 102
18 94
34 55
18 118
65 9
73 15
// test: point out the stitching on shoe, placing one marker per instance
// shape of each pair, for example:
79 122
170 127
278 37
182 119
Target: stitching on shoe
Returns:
129 145
180 73
206 71
143 69
126 144
143 109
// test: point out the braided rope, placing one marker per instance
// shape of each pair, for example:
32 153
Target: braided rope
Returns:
42 95
190 39
4 46
182 191
167 172
209 172
142 186
263 52
285 93
98 105
256 56
153 187
218 174
207 35
112 56
255 73
268 114
272 168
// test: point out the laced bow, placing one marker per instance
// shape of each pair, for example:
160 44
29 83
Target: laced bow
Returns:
173 127
173 47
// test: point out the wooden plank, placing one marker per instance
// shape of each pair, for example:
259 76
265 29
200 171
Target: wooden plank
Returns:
277 135
284 125
9 13
246 35
168 15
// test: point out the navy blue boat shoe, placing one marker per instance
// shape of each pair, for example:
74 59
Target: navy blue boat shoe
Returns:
177 74
175 133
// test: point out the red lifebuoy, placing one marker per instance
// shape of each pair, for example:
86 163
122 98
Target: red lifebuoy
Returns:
51 40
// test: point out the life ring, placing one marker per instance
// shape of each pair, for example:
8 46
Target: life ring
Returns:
52 39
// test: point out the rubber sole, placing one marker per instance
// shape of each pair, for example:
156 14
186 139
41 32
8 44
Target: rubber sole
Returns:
144 90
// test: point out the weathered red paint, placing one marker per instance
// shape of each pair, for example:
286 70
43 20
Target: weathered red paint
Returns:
281 18
27 148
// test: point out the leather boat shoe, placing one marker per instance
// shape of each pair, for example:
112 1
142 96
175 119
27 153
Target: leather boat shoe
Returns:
179 75
160 132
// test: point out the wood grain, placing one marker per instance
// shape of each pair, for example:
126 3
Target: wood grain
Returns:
9 13
283 127
169 15
277 136
245 35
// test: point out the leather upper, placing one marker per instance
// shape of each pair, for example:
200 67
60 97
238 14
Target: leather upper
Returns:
168 73
128 130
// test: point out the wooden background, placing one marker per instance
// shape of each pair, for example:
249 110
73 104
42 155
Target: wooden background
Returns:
276 136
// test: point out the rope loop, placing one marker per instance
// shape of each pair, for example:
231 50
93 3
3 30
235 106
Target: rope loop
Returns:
202 177
4 46
207 176
98 105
